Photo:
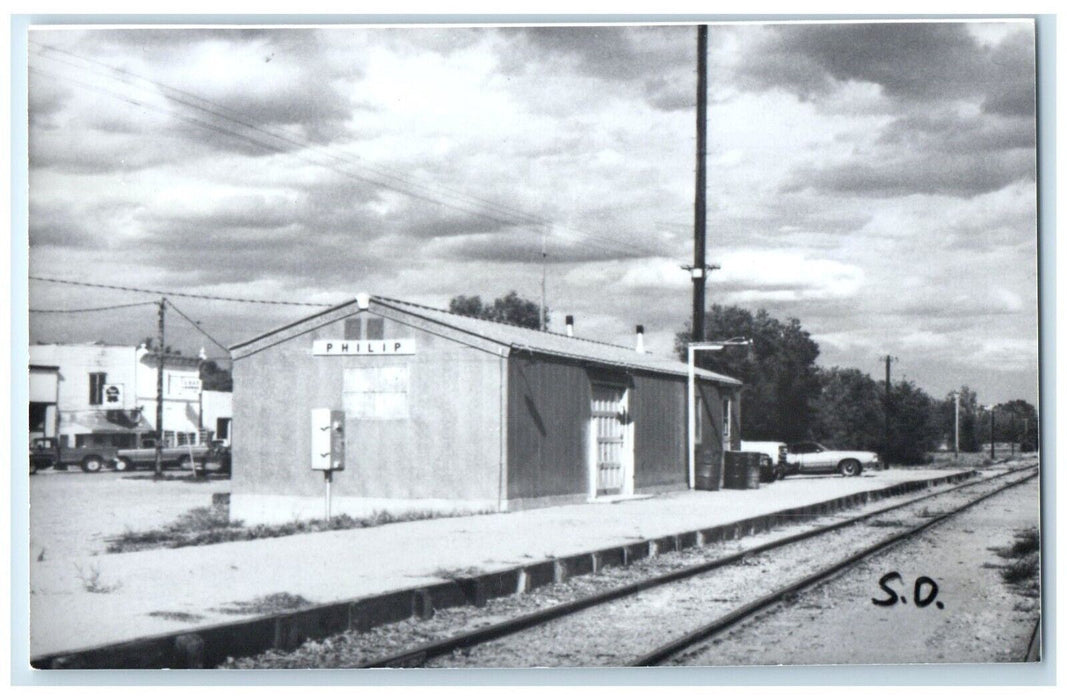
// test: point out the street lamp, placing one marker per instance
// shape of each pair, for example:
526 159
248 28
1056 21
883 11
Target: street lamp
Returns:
691 350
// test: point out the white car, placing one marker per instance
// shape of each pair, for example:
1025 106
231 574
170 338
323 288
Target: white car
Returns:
813 458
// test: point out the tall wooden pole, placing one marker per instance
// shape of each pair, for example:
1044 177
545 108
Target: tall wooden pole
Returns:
993 432
544 275
159 390
957 434
888 406
699 232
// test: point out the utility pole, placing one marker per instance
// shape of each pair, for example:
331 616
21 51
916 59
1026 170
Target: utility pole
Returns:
159 390
1013 434
957 449
992 432
699 243
544 274
888 405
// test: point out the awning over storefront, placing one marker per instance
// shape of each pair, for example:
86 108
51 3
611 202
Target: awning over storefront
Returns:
115 421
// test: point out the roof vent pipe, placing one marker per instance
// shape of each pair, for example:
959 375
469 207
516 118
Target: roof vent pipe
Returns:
570 326
640 339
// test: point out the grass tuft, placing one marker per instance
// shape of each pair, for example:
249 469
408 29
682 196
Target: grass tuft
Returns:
92 581
267 605
1022 569
210 525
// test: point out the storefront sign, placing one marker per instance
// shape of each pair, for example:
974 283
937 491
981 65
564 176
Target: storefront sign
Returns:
182 386
401 346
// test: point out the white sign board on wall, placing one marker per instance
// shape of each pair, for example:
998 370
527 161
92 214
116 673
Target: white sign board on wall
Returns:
182 386
395 346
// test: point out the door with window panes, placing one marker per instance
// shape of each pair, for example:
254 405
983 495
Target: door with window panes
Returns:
610 420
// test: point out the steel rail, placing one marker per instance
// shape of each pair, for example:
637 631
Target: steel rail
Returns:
419 655
724 622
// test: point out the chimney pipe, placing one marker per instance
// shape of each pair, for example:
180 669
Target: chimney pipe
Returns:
570 326
640 339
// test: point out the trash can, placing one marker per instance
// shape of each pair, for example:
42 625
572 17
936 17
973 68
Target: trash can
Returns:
708 476
742 470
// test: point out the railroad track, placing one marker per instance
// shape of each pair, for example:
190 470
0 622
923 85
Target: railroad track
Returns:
464 642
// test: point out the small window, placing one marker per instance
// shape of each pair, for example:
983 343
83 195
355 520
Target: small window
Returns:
353 328
698 411
97 380
375 328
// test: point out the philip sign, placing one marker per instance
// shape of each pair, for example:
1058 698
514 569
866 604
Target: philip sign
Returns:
396 346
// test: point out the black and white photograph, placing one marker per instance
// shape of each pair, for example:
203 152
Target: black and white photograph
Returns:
477 345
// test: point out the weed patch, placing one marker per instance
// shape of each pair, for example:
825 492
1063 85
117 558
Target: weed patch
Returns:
176 616
92 581
457 574
266 605
886 523
210 525
1021 570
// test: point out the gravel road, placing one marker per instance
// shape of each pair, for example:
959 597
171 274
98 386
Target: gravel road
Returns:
72 512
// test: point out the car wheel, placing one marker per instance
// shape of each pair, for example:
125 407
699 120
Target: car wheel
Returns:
122 465
92 464
849 467
33 467
185 463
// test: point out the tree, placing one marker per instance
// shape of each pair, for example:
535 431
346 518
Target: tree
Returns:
510 308
1017 422
850 410
779 372
215 378
915 428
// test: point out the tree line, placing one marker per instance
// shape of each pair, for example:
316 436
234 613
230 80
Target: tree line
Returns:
787 397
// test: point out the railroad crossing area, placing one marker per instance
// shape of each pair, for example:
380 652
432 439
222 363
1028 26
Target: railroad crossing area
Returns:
365 577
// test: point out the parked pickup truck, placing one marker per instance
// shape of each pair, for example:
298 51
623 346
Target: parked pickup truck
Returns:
213 457
91 453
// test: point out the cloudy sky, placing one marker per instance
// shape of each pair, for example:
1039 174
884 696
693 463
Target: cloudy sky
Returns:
876 181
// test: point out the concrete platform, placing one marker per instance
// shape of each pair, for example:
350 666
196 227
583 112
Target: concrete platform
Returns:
359 578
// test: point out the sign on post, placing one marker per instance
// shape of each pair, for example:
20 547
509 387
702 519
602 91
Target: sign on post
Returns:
327 439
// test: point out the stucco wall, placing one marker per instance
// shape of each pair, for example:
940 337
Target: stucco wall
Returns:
442 441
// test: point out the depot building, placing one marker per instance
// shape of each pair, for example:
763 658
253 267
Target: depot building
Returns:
401 407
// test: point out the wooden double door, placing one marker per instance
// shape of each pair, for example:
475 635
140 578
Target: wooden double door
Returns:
613 440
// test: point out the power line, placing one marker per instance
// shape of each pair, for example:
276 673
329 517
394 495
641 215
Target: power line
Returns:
95 308
195 324
517 217
175 294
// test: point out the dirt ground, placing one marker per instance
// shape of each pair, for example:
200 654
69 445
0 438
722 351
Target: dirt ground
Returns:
975 618
71 513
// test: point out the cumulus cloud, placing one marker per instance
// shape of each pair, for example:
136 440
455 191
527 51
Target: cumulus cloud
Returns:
875 181
921 61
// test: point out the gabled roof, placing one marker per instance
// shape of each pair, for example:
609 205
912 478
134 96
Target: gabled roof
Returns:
510 338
